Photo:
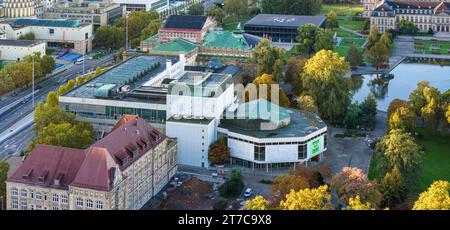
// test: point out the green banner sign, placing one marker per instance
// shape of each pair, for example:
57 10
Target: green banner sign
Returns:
315 146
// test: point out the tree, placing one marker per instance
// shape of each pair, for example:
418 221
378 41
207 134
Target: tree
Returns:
356 204
312 39
352 116
196 9
216 13
352 182
4 167
332 21
233 185
401 151
296 7
48 64
137 21
151 29
396 104
306 103
278 70
79 80
110 37
266 80
373 38
284 183
393 188
324 80
294 72
27 36
431 112
265 56
67 135
238 9
386 39
447 114
354 57
219 153
379 55
407 27
435 198
368 109
308 199
52 99
417 97
402 118
258 203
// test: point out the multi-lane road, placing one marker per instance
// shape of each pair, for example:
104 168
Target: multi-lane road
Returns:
19 141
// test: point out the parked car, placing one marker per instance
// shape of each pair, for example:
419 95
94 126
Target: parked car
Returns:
79 61
248 193
214 174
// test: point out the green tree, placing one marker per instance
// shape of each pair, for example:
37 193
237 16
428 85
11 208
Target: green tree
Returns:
393 188
48 64
196 9
332 21
219 153
278 70
67 135
396 104
324 80
402 118
266 80
431 112
294 72
407 27
373 38
151 29
110 37
312 39
354 57
233 185
401 151
216 13
295 7
265 56
379 55
308 199
27 36
417 97
238 9
436 197
258 203
137 21
368 111
352 116
447 114
79 80
306 103
4 167
356 204
386 39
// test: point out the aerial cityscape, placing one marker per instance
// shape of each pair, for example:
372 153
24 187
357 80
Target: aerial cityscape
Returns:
224 105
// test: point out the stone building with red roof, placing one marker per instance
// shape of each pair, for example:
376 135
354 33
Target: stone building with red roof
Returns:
123 170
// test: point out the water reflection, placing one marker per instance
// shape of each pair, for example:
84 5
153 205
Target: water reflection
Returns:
402 80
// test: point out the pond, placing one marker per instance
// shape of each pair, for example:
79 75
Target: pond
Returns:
405 79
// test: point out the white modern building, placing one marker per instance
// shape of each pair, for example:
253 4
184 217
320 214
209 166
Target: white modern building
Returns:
56 33
15 50
136 5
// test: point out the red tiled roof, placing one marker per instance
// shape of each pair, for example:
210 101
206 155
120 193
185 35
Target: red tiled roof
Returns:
46 164
127 142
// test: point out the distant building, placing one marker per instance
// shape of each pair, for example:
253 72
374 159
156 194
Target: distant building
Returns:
56 32
147 5
15 50
425 15
96 13
122 171
18 8
191 28
281 28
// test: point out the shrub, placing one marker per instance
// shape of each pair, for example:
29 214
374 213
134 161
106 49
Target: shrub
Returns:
232 186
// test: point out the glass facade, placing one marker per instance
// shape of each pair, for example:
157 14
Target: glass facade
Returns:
154 116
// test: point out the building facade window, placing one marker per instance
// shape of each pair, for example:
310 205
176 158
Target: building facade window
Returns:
79 202
89 203
260 153
14 192
99 205
302 153
64 199
23 193
23 205
55 198
14 204
38 196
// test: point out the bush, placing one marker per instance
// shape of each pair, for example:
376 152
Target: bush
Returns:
232 186
263 181
221 204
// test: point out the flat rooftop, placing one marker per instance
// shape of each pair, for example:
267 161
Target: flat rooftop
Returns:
23 22
124 74
291 123
282 20
23 43
202 84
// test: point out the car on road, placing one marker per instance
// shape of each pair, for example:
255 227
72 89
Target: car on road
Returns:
248 193
79 61
214 174
14 94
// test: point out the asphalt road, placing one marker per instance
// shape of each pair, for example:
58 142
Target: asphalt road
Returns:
20 141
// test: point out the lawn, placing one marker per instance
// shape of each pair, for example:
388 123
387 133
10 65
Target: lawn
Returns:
326 8
432 47
435 162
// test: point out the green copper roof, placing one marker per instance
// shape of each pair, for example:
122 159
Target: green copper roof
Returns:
177 45
225 40
151 39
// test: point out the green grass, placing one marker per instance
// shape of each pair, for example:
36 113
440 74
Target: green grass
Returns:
326 8
432 47
436 160
343 33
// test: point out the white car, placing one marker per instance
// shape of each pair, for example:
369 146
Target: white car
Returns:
79 62
248 193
